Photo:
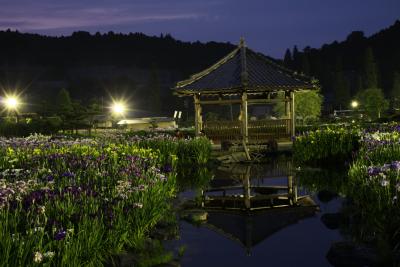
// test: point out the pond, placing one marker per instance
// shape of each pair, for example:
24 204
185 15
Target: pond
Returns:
270 214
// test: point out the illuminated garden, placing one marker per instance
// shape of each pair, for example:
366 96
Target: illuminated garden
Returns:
199 133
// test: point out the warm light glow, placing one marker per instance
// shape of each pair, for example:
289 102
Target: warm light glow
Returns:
11 102
354 104
118 108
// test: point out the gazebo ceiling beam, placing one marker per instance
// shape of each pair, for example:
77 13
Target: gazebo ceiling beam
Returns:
238 101
266 101
220 102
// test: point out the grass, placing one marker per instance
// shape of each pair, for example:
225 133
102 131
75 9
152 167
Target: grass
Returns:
81 202
372 185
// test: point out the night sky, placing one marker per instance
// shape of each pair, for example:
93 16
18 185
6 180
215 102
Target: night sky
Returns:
269 26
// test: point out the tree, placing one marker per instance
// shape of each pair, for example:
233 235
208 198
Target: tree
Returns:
358 85
153 97
395 92
64 107
373 102
296 59
370 74
340 85
287 60
305 64
307 105
341 90
94 109
79 117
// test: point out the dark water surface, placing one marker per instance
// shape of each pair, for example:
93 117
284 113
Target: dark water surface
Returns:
240 238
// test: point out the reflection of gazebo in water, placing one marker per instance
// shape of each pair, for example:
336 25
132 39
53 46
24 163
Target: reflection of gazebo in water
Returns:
240 193
247 78
251 212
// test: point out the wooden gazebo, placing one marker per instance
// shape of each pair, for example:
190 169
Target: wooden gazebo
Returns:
245 77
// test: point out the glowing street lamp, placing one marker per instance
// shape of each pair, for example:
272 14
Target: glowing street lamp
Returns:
11 103
118 108
354 104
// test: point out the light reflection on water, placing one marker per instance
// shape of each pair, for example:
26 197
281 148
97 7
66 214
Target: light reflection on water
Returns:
284 236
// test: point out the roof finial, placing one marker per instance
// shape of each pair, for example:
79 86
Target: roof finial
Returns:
244 75
242 43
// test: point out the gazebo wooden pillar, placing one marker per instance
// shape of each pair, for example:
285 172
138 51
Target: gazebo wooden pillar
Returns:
198 121
244 118
287 111
292 115
245 77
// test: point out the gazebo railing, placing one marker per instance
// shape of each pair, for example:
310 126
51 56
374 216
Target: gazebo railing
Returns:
223 130
258 131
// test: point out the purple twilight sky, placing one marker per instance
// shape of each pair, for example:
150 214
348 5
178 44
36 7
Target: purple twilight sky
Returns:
269 26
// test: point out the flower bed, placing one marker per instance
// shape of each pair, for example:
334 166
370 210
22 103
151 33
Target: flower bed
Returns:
189 151
78 202
326 144
373 182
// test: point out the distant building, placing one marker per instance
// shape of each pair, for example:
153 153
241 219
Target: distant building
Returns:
139 124
102 121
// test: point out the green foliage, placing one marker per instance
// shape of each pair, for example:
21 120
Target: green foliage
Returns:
305 64
342 90
395 92
374 183
325 144
296 59
153 254
154 91
195 151
50 125
372 187
317 180
102 198
212 116
112 168
373 102
370 73
64 106
307 106
287 60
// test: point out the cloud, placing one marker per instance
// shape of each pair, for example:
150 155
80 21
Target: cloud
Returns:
42 16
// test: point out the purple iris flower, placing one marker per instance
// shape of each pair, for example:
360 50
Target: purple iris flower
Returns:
68 174
395 165
373 171
60 235
167 168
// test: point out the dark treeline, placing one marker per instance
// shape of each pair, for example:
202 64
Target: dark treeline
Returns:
85 49
135 66
345 69
91 67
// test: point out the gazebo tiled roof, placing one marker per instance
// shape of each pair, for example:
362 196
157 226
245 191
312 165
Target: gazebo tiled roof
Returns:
244 70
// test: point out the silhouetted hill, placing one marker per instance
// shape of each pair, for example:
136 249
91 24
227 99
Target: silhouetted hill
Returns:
143 68
341 66
135 65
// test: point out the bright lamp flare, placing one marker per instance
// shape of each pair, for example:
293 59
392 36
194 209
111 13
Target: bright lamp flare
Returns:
354 104
118 108
11 102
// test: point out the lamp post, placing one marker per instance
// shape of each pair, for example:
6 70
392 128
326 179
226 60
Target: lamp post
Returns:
354 105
